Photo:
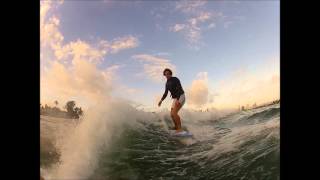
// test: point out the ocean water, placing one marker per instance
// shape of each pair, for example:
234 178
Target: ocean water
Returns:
116 141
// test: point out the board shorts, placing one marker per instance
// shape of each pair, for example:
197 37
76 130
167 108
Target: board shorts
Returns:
182 100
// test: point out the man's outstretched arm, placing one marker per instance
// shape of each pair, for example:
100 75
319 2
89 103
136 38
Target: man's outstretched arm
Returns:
163 96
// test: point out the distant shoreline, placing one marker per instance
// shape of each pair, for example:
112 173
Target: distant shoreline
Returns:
72 112
264 105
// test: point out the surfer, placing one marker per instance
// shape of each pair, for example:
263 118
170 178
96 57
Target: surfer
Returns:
174 86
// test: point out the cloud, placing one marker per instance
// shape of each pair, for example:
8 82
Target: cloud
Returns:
69 69
50 35
79 50
242 88
162 54
178 27
123 43
94 52
198 93
110 71
246 88
247 91
192 29
82 81
204 16
195 23
154 66
187 6
52 40
198 19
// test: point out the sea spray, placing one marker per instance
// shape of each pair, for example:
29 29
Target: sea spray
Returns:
80 150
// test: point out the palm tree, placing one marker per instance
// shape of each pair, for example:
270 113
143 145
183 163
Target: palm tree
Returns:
56 102
70 108
80 111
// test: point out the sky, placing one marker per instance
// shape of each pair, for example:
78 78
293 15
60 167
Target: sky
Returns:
225 53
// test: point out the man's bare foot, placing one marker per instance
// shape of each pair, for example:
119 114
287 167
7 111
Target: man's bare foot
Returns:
179 130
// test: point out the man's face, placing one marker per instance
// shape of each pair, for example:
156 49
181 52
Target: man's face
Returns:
167 74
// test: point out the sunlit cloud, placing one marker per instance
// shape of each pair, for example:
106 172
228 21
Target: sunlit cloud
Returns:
94 52
247 91
64 60
178 27
79 50
70 69
193 27
246 87
154 66
198 20
243 88
123 43
198 93
50 35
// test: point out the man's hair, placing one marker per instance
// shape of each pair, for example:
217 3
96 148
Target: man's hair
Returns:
167 69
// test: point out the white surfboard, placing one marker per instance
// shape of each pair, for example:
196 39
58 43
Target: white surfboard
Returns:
180 134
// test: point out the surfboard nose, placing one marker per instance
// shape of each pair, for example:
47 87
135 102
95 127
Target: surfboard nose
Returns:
181 134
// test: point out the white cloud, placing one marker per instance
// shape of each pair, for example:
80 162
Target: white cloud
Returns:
94 52
204 16
44 8
79 50
123 43
52 40
110 71
188 6
246 88
69 69
162 54
198 93
247 91
178 27
83 80
198 20
154 66
50 35
192 29
243 88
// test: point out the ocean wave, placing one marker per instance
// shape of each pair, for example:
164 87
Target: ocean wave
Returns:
116 141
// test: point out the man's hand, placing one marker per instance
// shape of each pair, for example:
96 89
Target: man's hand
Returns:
159 104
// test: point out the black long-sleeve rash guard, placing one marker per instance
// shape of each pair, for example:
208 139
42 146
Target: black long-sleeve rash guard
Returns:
174 86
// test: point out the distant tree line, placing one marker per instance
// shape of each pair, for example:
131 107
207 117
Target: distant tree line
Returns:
71 110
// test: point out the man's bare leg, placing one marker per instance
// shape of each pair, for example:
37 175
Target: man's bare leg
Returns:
172 117
176 117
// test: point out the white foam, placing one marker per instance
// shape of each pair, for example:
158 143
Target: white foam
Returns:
80 150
